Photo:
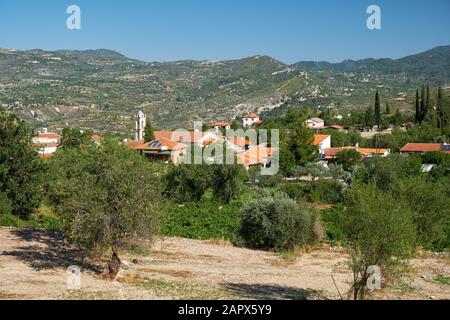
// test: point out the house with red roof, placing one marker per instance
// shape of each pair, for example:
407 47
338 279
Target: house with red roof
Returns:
46 143
220 125
160 149
257 155
250 119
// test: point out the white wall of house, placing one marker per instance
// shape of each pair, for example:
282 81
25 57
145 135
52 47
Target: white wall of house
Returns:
42 140
314 124
324 145
47 150
248 122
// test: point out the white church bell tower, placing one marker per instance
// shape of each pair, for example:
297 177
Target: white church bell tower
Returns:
140 125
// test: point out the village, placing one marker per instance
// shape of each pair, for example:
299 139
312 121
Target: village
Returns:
174 146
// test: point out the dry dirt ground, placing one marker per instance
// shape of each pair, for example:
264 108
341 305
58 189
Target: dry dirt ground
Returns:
33 266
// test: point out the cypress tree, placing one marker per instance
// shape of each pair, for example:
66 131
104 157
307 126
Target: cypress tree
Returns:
423 106
388 108
440 112
378 119
429 106
417 118
149 134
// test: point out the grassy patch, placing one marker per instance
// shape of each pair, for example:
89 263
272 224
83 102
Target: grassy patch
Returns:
43 218
9 220
442 279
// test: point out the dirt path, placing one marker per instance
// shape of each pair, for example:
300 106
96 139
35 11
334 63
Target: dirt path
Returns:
33 266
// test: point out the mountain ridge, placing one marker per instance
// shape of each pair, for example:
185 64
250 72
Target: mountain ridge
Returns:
102 89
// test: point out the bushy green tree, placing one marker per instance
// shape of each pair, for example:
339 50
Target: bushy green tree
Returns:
428 201
348 158
74 138
187 182
275 222
21 171
386 172
300 144
226 180
106 195
379 231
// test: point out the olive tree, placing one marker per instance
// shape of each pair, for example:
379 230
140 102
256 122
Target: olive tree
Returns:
106 195
379 231
275 222
21 171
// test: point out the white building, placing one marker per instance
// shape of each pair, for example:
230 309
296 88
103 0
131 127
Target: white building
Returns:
46 142
315 123
220 125
250 119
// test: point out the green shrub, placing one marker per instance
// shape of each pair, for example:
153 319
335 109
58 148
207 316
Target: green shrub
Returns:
45 222
206 219
324 191
436 157
255 178
275 222
331 222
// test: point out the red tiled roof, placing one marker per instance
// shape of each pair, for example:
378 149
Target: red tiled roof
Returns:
250 116
134 144
332 153
95 137
180 136
49 135
239 141
319 138
421 147
220 124
255 155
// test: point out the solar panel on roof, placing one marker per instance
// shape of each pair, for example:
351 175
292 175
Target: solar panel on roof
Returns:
445 148
154 144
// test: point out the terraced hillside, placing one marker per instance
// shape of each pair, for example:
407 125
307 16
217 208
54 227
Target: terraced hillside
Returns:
102 89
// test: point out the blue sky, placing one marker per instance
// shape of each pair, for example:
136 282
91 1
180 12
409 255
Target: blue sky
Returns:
288 30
